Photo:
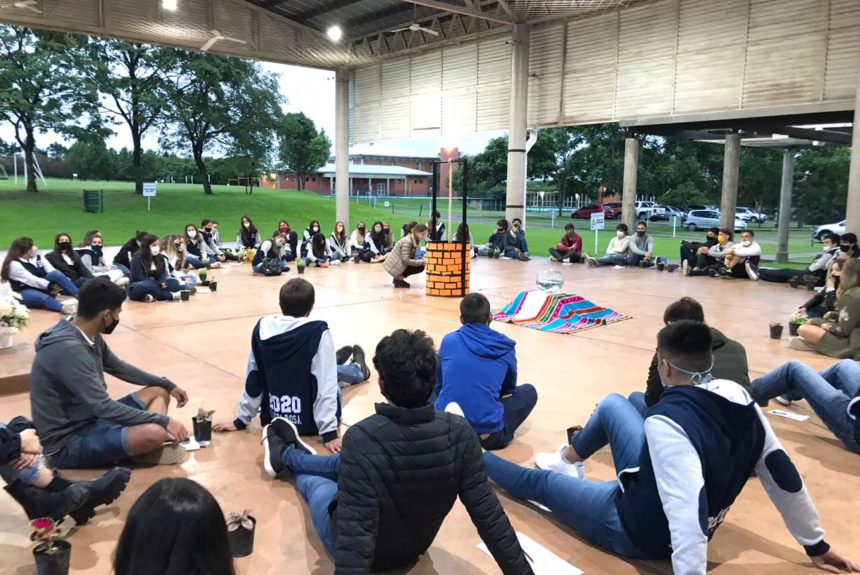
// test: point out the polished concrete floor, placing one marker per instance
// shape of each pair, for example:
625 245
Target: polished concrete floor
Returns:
203 346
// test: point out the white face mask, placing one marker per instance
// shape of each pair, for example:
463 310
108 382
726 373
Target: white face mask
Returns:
315 229
619 234
746 244
247 225
192 234
154 250
826 248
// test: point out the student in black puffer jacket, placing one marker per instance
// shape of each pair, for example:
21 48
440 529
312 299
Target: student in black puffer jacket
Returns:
379 503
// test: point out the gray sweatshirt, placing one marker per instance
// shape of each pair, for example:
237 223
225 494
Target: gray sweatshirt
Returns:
641 246
68 391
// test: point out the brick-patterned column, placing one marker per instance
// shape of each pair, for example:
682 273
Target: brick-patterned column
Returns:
448 267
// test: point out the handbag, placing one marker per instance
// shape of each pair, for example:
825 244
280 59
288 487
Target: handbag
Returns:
271 267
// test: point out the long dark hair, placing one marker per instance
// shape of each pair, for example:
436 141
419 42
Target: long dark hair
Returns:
247 234
19 248
70 251
340 237
311 226
462 235
88 238
377 237
146 255
175 528
318 245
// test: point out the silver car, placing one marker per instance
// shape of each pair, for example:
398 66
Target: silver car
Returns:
819 232
704 219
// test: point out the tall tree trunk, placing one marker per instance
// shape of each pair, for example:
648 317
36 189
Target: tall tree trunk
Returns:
202 172
137 160
29 146
300 181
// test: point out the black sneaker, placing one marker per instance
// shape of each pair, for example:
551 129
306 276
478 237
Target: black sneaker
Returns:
102 491
359 358
343 354
273 447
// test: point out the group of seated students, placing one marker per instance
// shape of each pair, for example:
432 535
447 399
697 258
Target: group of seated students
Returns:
683 450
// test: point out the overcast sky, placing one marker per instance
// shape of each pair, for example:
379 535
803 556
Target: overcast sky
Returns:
306 90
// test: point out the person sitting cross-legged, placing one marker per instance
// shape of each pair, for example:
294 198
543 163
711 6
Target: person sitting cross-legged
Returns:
496 242
569 247
616 251
478 371
730 357
293 370
379 504
833 394
678 471
741 260
516 246
690 251
710 261
80 425
641 247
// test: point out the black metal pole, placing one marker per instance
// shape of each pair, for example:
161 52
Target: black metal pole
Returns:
464 179
433 200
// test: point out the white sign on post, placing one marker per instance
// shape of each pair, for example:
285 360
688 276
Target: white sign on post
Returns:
598 222
149 192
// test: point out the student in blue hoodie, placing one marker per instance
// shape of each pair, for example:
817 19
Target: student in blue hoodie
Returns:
678 471
477 370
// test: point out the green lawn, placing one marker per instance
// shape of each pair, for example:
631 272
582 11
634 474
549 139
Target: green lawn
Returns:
59 207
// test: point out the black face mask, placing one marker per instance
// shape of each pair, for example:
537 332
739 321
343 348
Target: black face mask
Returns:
640 233
64 246
97 250
844 248
112 326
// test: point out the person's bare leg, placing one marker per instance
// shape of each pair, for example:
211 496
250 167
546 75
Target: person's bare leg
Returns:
145 438
811 333
156 399
730 261
571 455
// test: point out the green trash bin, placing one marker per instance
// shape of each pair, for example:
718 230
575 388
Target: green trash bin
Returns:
94 202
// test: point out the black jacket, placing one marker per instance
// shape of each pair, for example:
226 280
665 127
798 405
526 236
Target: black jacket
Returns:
401 472
73 271
730 362
128 249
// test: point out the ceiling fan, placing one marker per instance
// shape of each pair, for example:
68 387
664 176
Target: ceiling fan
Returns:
415 26
217 36
22 5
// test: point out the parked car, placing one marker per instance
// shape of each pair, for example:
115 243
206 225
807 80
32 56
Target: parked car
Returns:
671 211
585 212
819 232
649 211
692 207
750 215
704 219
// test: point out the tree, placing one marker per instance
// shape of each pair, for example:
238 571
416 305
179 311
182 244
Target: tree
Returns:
129 75
302 148
211 101
91 159
40 88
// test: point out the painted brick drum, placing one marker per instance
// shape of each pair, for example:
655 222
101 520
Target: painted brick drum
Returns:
448 267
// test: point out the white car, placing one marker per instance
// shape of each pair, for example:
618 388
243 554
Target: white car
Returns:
704 219
819 232
750 215
649 211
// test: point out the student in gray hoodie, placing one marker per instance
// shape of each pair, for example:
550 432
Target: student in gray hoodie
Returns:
641 247
78 422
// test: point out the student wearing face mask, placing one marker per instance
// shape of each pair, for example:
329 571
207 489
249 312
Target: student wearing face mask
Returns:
91 253
824 301
35 279
741 260
292 240
569 247
641 247
195 247
338 242
209 230
273 249
389 239
312 230
818 268
690 251
437 228
616 251
376 241
122 260
496 241
848 245
710 263
78 422
248 237
67 261
150 274
359 243
516 246
319 254
679 470
174 249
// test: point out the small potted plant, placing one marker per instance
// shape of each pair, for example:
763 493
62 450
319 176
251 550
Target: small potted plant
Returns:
202 274
13 318
300 265
213 285
240 533
206 262
775 330
202 424
796 320
51 556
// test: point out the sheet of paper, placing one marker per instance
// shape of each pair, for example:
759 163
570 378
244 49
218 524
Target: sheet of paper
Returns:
191 444
542 560
788 415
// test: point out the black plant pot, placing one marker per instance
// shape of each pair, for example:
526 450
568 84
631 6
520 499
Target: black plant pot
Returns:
202 430
53 563
775 331
185 295
242 540
661 266
213 286
671 267
204 283
301 269
792 328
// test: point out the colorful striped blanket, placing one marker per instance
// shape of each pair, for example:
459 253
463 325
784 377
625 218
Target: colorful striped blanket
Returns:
558 313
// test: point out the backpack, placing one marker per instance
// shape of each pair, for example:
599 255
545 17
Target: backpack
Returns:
271 267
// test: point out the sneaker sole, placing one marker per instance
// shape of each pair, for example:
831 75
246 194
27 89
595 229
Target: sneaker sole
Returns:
168 454
87 511
299 439
267 456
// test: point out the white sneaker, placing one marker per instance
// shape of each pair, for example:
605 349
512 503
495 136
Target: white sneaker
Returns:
122 282
70 307
555 461
454 408
783 400
148 298
175 295
591 261
752 271
685 267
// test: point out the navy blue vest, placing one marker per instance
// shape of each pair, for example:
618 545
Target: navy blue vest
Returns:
261 255
284 377
36 269
729 439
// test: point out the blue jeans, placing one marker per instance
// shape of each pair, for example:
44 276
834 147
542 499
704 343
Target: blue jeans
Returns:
518 405
828 393
612 260
38 299
194 262
350 373
637 398
316 261
188 280
100 444
140 289
28 475
634 259
122 268
587 506
258 268
316 479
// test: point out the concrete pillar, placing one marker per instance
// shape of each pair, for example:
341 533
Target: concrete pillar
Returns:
631 174
852 209
341 146
731 168
785 205
518 118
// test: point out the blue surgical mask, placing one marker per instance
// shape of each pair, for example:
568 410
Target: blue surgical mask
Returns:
697 377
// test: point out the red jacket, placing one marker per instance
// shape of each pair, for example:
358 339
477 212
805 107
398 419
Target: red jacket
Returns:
567 244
